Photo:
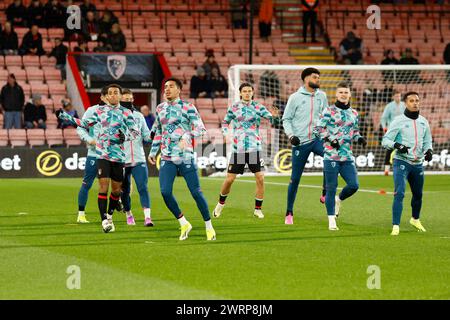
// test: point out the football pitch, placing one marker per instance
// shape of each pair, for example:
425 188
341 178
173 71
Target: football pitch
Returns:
42 248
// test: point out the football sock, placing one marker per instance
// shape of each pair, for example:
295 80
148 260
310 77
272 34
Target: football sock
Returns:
182 220
258 203
222 199
208 224
102 204
113 200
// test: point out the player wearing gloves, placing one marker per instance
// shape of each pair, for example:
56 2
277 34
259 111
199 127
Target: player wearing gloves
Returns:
410 135
338 128
115 125
300 116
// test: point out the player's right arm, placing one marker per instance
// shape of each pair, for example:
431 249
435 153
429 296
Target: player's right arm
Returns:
87 122
83 132
390 137
227 120
146 133
322 123
288 116
385 117
157 129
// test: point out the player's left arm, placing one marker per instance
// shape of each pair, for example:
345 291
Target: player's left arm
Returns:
87 122
157 129
320 129
273 115
197 127
130 127
357 137
146 133
427 143
325 102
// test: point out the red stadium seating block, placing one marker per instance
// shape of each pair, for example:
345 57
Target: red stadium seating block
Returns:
36 137
17 137
48 61
19 73
34 74
54 137
31 61
3 134
71 137
13 61
52 74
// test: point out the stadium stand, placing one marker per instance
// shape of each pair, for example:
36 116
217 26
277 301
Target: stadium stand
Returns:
184 37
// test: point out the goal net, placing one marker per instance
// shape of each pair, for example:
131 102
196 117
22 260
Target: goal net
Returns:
372 89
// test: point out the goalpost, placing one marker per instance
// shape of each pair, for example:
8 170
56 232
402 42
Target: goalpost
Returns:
372 88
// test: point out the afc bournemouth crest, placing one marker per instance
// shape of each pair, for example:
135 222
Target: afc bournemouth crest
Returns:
116 65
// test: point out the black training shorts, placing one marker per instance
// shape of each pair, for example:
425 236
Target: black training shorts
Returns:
109 169
239 160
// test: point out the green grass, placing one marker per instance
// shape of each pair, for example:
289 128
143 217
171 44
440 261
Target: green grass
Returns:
251 259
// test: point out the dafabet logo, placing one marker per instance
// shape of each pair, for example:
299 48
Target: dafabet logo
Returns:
282 161
49 163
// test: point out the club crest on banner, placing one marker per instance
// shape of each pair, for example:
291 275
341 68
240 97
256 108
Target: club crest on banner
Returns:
116 65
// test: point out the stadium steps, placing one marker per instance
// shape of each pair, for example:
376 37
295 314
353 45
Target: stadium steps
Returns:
311 55
289 16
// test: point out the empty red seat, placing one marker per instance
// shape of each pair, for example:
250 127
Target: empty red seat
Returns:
71 137
158 35
34 73
3 134
210 118
20 74
39 87
36 137
221 113
25 87
52 121
54 137
146 46
52 73
55 33
31 61
132 47
48 61
58 89
17 137
13 61
204 103
3 75
220 104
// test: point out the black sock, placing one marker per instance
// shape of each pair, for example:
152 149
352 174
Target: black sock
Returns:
258 204
113 200
102 204
289 213
222 198
81 208
324 192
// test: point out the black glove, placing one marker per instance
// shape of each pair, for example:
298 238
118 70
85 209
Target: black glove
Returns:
58 112
334 143
121 137
295 141
429 155
401 148
362 141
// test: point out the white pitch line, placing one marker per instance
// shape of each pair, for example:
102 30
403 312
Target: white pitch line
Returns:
320 187
303 185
